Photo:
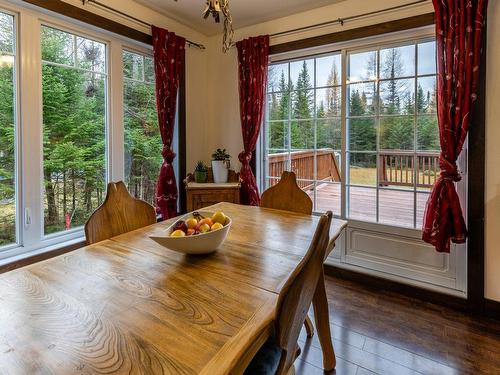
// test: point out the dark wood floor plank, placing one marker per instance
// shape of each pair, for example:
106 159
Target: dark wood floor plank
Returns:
353 355
427 338
406 358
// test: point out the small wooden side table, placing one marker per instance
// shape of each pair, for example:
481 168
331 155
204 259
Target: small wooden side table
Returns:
199 195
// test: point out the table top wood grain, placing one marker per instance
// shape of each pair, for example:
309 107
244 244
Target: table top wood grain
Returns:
128 305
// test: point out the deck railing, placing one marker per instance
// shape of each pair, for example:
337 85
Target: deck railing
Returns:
303 166
400 168
396 167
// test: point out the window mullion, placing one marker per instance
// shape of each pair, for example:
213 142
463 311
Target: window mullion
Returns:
31 124
115 130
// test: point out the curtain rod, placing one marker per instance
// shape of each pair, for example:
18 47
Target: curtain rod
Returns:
104 6
342 20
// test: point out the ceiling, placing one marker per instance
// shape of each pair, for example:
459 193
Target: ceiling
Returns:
244 12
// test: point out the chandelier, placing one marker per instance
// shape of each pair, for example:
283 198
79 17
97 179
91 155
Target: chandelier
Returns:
214 8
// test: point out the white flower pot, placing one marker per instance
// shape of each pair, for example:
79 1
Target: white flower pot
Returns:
220 169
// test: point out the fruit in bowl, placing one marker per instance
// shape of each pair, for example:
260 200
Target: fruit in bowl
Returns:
196 233
198 224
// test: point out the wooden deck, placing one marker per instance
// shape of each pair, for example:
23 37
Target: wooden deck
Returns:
395 206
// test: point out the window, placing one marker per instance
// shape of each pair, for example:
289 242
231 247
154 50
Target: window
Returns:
74 83
364 143
142 137
7 130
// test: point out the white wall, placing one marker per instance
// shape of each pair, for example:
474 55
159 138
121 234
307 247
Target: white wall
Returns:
492 236
224 125
196 77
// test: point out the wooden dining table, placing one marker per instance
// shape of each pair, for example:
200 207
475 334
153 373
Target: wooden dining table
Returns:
130 306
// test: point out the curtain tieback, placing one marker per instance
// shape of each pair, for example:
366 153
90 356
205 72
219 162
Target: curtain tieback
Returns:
245 157
449 170
168 154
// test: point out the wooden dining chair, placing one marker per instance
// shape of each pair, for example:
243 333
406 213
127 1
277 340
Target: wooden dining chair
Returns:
120 213
278 354
288 196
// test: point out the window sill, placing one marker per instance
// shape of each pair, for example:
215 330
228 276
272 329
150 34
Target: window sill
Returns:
33 256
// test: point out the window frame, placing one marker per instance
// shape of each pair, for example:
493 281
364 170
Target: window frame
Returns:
417 35
29 20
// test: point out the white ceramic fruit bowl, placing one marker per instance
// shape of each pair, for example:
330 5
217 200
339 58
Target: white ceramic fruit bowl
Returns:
203 243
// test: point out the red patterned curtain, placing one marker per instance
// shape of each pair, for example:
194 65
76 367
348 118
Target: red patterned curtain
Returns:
169 54
459 28
253 60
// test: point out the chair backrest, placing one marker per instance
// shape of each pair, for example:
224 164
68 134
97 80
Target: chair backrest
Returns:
120 213
287 195
297 294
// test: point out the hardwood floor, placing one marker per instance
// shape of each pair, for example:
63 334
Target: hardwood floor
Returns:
385 333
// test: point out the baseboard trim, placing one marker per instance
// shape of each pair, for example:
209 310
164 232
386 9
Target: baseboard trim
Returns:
492 308
379 283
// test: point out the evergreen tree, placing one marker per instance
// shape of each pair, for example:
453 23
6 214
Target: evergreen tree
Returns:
302 132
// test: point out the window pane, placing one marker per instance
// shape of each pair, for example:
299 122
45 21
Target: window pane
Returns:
328 165
277 78
278 135
57 46
142 137
90 55
362 169
133 66
428 170
74 123
362 203
149 69
328 197
302 134
329 134
421 203
397 96
328 71
302 74
361 99
397 133
426 95
397 62
362 66
428 133
328 102
278 106
396 168
427 58
278 163
7 133
396 207
362 134
6 33
302 104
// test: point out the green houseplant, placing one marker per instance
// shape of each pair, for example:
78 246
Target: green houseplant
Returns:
200 172
220 165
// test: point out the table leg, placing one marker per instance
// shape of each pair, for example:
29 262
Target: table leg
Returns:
322 319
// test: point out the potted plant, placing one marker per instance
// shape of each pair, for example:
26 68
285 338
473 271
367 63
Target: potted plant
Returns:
200 172
220 165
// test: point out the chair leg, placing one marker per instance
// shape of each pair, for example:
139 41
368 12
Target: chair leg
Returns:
309 327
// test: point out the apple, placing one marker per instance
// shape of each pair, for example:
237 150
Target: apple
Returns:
190 231
207 221
219 217
177 233
203 228
217 226
191 223
181 224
